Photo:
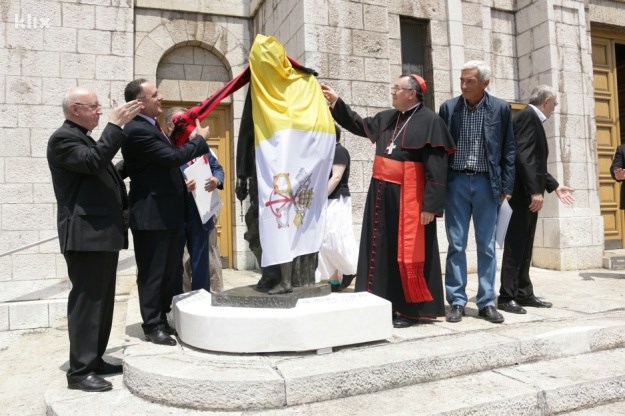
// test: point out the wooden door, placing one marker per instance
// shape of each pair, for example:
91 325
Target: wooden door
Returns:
608 135
221 144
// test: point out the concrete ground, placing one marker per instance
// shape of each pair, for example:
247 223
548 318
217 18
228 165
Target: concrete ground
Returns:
34 363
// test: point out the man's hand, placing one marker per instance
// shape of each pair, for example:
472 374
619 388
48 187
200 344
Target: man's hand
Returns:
565 194
619 174
537 202
122 115
427 217
211 184
330 95
191 185
504 196
201 131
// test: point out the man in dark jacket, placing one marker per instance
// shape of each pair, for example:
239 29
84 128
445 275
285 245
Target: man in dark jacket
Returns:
92 203
157 205
481 176
531 182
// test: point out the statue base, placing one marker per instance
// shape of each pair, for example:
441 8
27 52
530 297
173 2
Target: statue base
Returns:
314 323
250 297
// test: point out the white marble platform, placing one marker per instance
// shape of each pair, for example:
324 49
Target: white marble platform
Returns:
313 324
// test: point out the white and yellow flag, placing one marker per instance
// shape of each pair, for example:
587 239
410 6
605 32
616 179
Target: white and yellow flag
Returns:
295 141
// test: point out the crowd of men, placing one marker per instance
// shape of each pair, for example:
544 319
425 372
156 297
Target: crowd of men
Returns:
464 161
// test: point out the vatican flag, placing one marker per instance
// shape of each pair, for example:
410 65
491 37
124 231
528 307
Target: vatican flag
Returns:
294 143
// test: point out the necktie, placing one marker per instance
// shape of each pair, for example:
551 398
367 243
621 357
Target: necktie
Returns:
158 126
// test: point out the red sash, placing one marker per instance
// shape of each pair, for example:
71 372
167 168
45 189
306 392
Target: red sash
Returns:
411 239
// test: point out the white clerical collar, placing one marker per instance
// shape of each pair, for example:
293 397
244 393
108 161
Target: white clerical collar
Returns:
539 113
411 108
149 119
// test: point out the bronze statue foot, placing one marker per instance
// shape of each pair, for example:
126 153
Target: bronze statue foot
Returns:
281 288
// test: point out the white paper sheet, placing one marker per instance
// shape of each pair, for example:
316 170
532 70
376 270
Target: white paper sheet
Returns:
208 203
503 219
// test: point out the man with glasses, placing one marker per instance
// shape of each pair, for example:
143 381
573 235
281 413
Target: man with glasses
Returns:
92 203
157 205
531 182
481 176
399 258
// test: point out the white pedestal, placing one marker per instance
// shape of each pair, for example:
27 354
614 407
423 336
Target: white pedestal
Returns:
314 323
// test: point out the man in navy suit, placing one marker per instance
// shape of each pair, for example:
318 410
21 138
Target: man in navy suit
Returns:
157 205
92 204
531 182
481 176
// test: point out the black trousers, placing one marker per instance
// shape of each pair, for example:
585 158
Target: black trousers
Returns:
157 254
89 307
517 253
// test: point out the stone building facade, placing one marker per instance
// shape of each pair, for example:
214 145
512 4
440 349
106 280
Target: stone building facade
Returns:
191 47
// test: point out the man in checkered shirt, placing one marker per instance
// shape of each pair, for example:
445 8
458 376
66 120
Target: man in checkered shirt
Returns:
480 177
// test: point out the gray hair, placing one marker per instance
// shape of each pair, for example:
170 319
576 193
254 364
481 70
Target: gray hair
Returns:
541 93
169 114
482 69
72 96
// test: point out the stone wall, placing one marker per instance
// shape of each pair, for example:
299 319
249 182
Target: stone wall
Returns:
46 47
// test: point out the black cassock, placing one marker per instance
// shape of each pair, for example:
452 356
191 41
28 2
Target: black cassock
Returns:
417 135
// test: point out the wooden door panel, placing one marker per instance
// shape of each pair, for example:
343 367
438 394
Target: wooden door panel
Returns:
607 136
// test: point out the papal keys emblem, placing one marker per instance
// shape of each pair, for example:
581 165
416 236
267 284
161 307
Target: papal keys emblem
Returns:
283 197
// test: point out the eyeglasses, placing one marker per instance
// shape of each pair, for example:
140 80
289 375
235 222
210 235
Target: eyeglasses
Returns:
396 88
92 107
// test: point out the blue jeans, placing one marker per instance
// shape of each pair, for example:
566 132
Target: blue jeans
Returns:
470 195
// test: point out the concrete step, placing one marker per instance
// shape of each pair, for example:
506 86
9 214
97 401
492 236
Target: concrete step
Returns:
594 381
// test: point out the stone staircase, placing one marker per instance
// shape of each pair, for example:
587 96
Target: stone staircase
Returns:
565 360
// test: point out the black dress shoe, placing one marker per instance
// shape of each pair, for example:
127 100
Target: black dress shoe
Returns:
455 314
347 280
335 286
511 307
402 322
534 302
167 328
491 315
160 337
107 369
89 382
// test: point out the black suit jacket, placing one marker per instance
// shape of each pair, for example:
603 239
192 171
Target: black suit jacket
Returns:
157 190
531 156
619 162
90 194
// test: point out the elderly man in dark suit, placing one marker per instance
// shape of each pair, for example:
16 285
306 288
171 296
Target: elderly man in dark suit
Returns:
481 176
531 182
157 205
92 201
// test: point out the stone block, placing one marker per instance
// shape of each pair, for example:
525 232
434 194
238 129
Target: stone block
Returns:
79 16
41 64
16 193
27 216
346 14
34 266
456 34
329 39
472 13
78 66
193 90
28 315
5 268
60 39
57 312
42 116
4 317
114 68
23 90
542 35
14 142
317 12
524 43
440 33
162 37
43 193
1 166
54 89
369 44
370 94
97 42
10 240
44 13
377 70
147 19
117 19
347 67
568 36
23 38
